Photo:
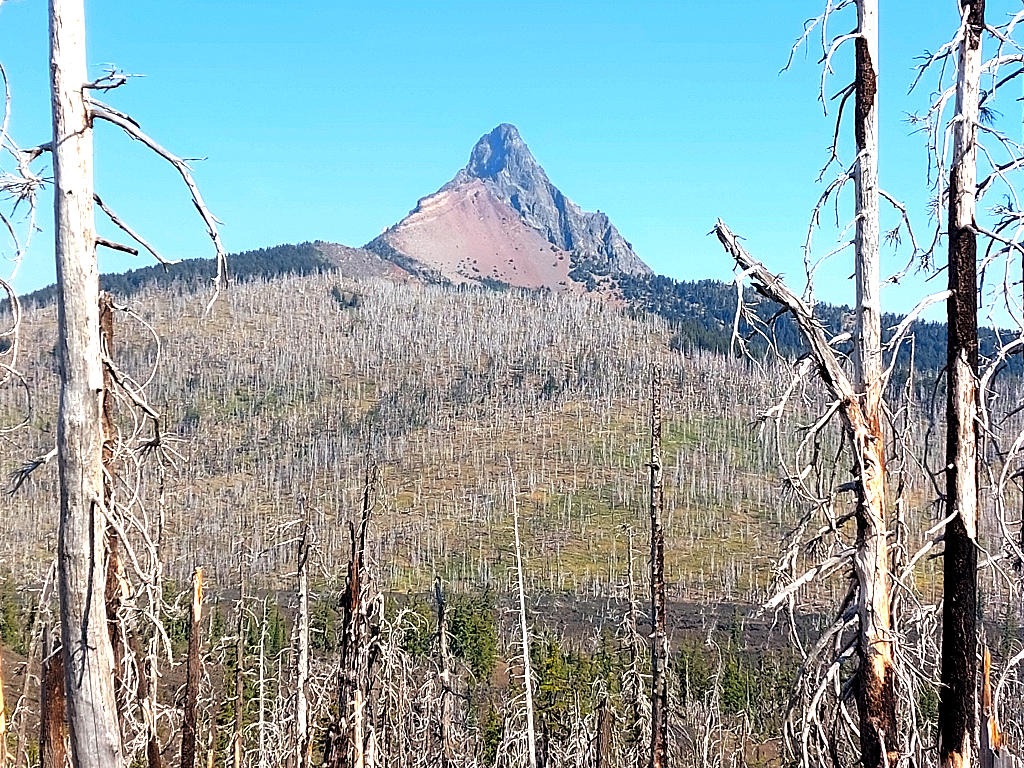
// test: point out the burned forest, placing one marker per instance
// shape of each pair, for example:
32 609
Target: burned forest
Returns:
488 491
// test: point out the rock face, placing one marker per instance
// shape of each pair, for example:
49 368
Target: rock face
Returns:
502 219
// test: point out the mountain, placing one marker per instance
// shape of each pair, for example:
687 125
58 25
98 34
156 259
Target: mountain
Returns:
500 219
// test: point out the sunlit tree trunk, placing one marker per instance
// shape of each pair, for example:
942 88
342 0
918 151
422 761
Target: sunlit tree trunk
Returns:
876 701
88 658
957 702
659 634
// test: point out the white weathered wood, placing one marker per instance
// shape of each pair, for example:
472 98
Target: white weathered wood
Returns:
531 737
88 658
876 699
302 744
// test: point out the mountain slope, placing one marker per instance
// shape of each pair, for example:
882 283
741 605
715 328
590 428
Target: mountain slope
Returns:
500 218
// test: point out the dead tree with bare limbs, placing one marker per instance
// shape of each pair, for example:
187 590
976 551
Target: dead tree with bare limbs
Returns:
659 633
84 449
957 694
857 398
350 736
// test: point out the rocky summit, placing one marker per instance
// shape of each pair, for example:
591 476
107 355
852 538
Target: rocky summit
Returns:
501 219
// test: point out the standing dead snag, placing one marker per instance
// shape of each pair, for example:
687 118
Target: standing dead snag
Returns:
189 725
52 729
302 743
3 720
659 634
957 699
237 752
447 694
88 657
347 741
876 700
531 737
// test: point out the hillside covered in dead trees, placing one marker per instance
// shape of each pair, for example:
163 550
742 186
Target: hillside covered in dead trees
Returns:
302 404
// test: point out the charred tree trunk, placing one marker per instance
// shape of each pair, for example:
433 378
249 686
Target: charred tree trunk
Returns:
52 729
876 699
447 694
302 745
189 726
88 657
659 635
236 734
114 589
957 700
345 740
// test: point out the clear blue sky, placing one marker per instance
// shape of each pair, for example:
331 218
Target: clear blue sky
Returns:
327 120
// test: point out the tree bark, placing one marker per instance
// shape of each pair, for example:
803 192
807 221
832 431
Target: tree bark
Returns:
447 694
302 744
3 719
876 700
236 735
189 726
659 634
88 657
52 729
958 675
603 737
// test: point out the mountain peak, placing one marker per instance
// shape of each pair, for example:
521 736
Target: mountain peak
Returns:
502 219
501 149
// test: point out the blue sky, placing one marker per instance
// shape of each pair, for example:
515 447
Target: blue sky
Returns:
327 120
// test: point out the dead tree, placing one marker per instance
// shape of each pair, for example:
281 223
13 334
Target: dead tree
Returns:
52 728
88 656
189 726
302 742
957 698
858 400
531 738
447 715
603 736
659 633
875 683
3 720
237 750
348 741
85 509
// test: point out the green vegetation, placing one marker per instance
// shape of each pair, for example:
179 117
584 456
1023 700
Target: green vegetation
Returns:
474 634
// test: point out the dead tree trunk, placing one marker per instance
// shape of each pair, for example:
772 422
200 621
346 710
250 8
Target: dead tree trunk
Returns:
991 737
302 745
3 719
88 657
957 700
447 694
659 635
236 734
189 725
52 729
603 737
345 742
876 699
114 589
531 737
